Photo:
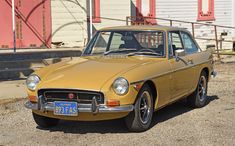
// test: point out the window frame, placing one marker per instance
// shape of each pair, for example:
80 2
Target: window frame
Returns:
210 15
96 16
87 51
180 34
172 51
152 10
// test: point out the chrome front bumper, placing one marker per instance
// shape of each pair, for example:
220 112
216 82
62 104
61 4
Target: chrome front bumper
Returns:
82 108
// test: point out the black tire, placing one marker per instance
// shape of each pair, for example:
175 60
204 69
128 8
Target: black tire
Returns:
133 121
45 122
199 98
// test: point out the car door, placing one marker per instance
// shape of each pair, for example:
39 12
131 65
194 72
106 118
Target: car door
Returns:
181 68
192 50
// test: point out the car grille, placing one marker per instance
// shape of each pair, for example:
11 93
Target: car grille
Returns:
82 97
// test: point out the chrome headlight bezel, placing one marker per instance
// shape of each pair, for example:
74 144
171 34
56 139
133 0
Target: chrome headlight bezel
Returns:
32 82
120 86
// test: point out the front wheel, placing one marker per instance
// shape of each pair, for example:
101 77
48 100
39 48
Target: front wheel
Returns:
140 119
45 122
199 97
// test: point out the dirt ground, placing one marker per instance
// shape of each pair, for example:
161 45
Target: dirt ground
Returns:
176 124
12 90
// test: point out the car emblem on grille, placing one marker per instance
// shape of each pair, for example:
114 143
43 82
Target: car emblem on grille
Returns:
71 95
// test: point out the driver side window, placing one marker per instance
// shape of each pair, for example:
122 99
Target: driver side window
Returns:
174 43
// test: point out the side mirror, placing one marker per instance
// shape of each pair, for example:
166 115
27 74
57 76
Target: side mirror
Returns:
179 53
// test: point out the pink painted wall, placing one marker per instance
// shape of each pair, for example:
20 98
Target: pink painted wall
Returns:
33 23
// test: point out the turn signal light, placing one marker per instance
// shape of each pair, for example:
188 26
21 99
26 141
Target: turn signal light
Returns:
32 98
138 86
113 103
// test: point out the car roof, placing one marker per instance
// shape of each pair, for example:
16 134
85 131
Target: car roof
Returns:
142 27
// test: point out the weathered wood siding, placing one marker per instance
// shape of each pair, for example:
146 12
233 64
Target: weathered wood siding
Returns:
69 23
69 19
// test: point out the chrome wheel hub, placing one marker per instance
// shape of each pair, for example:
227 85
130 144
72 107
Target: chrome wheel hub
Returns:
202 88
145 107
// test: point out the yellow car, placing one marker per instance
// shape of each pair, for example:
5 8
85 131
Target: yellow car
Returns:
124 72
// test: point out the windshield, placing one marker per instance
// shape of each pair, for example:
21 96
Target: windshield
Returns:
127 43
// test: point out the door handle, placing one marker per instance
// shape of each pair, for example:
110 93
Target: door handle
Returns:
190 61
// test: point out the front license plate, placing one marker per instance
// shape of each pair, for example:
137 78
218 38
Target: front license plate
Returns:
65 108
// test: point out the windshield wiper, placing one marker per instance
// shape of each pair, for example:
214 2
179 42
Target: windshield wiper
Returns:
118 51
144 53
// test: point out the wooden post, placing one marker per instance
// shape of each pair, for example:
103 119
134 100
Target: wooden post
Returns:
216 41
127 19
193 32
171 22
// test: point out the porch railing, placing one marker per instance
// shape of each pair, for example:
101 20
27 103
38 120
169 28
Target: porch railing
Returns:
145 21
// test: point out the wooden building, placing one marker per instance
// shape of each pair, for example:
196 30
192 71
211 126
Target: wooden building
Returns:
65 23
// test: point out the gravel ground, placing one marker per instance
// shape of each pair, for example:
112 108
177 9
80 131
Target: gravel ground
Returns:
174 125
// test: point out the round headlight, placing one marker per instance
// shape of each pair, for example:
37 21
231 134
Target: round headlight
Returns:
32 81
120 86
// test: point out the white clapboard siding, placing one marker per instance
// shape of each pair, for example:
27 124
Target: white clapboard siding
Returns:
69 22
233 18
115 9
187 10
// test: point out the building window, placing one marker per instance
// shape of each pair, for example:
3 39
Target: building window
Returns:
206 10
96 11
146 8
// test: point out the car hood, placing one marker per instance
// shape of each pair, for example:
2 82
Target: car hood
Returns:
88 73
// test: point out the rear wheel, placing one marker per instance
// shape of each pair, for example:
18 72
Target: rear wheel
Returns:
199 97
45 122
140 119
